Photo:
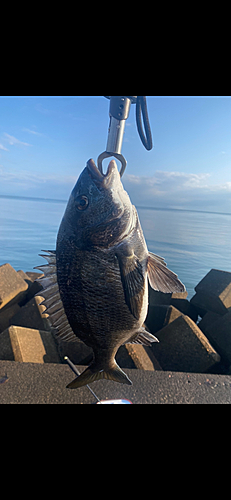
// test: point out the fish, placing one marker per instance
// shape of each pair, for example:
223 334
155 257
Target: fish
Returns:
95 284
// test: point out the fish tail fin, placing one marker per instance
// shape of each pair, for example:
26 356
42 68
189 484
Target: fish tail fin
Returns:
91 375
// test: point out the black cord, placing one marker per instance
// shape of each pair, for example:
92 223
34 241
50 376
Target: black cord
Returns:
141 106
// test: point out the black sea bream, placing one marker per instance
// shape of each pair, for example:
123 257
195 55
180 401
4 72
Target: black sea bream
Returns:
96 283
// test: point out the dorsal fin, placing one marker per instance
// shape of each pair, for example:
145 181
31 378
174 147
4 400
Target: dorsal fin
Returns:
52 299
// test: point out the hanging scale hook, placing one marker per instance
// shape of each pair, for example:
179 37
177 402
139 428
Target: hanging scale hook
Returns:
118 112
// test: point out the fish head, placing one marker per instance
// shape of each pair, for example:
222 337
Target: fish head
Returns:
99 211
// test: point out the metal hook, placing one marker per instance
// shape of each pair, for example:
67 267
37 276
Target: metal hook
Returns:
118 156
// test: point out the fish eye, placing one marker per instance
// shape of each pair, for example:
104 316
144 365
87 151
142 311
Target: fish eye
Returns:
82 202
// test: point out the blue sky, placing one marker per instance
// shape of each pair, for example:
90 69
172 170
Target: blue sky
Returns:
46 141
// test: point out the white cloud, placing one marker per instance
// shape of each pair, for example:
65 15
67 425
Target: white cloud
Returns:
25 175
222 187
3 148
168 182
44 186
32 132
178 190
12 141
174 179
42 109
162 190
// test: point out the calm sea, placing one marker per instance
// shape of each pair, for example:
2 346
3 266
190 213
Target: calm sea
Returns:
191 242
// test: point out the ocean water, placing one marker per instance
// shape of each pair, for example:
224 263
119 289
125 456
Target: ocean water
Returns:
191 242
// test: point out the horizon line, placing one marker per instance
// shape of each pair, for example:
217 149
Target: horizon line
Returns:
35 198
54 200
184 210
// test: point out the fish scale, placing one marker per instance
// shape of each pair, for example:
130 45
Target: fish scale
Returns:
104 296
96 282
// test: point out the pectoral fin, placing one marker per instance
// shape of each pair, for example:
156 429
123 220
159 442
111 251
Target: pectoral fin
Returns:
133 282
160 277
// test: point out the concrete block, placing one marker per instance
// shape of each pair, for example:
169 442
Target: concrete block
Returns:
159 316
196 302
24 276
35 286
208 320
123 358
180 295
219 334
183 347
32 315
33 275
6 314
139 356
12 286
128 356
184 306
160 298
213 292
78 352
142 357
27 345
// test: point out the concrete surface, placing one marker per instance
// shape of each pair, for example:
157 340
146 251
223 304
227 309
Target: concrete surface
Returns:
30 383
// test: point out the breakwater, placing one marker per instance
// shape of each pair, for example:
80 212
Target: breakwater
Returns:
194 335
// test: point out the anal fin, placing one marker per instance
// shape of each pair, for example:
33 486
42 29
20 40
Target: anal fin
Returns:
142 337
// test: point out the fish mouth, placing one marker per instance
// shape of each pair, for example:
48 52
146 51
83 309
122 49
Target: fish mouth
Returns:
105 181
101 179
